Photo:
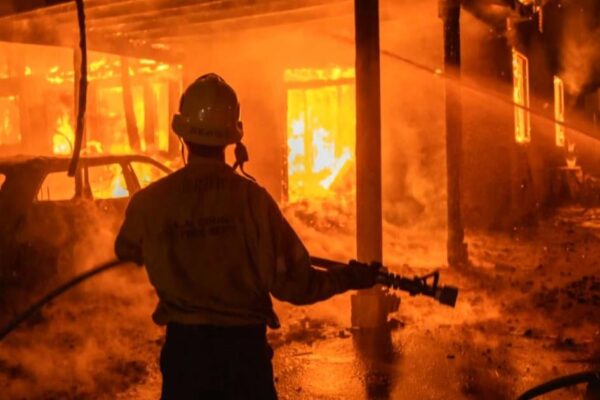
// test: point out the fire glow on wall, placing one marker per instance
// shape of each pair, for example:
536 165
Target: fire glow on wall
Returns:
10 131
520 67
559 111
38 100
320 132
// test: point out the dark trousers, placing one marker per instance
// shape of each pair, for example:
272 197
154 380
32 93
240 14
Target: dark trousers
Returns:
212 362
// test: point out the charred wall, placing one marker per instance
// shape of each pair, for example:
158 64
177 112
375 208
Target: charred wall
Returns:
509 184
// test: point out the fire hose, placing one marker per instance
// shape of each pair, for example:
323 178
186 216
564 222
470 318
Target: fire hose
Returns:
37 306
592 378
418 285
414 286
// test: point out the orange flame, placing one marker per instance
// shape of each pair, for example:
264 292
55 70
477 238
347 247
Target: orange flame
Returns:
320 131
64 136
520 66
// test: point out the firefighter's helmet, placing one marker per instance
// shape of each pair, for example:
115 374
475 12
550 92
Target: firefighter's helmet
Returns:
209 113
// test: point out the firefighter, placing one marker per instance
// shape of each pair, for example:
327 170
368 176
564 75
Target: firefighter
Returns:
216 246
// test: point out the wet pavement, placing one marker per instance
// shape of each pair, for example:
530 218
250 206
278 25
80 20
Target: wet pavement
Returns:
526 313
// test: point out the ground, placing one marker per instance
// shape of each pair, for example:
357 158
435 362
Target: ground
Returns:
528 311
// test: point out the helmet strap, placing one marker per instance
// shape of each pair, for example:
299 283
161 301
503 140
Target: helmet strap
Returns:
241 157
182 149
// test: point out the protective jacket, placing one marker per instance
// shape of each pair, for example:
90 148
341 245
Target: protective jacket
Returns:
215 245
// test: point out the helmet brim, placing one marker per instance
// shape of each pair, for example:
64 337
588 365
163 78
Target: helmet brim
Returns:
217 136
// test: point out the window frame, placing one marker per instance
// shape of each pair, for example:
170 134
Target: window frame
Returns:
44 176
150 162
125 170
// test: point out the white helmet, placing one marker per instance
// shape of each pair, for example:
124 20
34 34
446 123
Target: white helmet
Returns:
209 113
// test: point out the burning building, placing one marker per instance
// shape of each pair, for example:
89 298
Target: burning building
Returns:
304 121
128 107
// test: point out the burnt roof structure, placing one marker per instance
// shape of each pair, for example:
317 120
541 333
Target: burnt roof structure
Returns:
155 28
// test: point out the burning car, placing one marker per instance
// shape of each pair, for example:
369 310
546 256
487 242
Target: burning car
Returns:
52 222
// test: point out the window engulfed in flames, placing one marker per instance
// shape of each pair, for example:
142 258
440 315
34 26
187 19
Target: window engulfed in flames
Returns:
10 131
559 111
108 135
520 67
128 105
321 132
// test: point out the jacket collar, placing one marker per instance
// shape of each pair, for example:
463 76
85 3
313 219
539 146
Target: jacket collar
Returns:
207 162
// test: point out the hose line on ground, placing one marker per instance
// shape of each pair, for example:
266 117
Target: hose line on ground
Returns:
37 306
592 378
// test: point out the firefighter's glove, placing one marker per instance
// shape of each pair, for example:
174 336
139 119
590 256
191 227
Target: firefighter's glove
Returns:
361 275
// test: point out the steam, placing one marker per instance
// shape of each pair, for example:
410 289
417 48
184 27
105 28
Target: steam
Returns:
576 34
580 54
79 345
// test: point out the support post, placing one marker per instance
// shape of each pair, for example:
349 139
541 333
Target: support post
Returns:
368 306
76 90
174 94
450 14
132 129
150 119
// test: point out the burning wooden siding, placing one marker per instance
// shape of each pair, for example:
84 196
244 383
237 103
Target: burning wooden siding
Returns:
37 103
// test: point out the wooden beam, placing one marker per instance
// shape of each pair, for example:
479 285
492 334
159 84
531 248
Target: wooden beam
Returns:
20 32
68 7
174 94
97 8
149 118
126 35
177 43
202 12
132 129
232 22
157 16
367 309
457 252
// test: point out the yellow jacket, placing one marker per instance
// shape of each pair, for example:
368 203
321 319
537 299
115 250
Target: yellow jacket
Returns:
215 245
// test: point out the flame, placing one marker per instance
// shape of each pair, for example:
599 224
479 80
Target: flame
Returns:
520 68
107 181
571 157
106 66
10 131
320 132
64 135
559 111
107 129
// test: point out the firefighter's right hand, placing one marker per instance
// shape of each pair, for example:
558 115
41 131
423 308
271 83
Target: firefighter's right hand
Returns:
361 275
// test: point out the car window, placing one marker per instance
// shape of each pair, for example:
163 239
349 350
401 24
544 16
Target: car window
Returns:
107 181
57 186
147 173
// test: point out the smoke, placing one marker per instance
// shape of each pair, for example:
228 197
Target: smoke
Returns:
570 41
492 12
580 53
93 343
96 340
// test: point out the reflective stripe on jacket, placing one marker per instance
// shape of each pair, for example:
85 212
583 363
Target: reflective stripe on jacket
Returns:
215 245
